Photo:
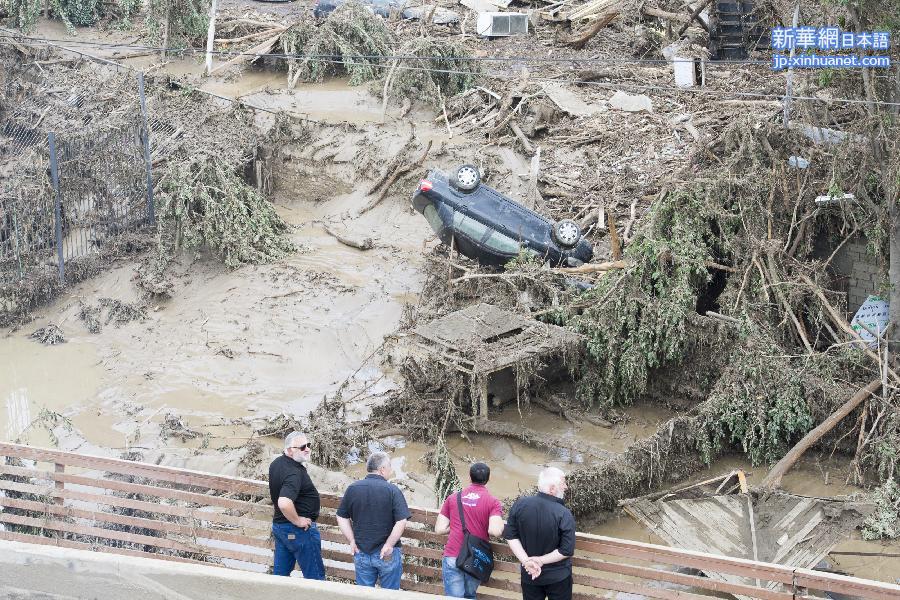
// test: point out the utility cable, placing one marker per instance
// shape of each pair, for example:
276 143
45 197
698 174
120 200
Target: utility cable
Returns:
602 85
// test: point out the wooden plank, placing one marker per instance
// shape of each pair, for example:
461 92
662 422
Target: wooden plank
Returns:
136 522
680 578
151 507
63 543
126 467
842 584
136 488
635 588
683 558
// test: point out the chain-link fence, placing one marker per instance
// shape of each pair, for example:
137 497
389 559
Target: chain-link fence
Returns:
73 177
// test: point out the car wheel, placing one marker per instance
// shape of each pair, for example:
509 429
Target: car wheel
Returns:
466 178
566 232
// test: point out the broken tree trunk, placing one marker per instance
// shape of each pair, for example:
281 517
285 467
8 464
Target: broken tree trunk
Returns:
250 55
578 42
773 479
593 268
364 243
615 244
211 36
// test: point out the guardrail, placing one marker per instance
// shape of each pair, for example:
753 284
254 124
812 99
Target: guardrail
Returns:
118 506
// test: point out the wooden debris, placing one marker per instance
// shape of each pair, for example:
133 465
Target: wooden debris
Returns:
364 243
250 55
578 42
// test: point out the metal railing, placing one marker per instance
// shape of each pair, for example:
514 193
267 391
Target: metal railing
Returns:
123 507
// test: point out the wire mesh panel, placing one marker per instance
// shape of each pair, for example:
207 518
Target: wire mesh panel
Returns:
101 171
102 187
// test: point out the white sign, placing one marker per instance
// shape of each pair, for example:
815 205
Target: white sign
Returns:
874 314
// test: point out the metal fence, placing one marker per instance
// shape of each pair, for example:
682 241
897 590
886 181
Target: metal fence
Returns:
67 193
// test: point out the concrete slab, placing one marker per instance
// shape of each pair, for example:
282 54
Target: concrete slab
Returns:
32 572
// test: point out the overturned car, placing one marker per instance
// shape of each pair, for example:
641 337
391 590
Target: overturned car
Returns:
489 227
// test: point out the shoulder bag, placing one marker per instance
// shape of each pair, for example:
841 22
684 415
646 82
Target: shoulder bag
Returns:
475 556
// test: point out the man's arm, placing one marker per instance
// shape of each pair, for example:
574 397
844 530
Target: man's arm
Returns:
566 543
532 567
346 526
392 540
443 525
286 506
495 525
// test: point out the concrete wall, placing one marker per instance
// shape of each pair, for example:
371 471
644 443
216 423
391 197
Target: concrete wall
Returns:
861 271
35 572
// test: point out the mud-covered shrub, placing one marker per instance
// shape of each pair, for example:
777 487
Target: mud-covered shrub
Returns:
635 321
181 21
210 205
350 40
884 523
442 69
759 402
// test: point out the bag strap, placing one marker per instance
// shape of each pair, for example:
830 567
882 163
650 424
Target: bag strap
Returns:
462 517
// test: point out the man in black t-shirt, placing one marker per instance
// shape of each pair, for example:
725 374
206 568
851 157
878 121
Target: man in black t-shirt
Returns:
372 516
541 533
296 503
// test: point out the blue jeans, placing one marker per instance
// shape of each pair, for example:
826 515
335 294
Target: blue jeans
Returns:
295 545
458 584
370 568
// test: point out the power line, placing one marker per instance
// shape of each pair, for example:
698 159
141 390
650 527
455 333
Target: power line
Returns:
528 59
612 86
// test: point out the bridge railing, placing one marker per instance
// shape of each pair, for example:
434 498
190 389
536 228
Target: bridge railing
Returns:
118 506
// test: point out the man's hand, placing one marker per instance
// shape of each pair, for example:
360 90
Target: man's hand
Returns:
354 549
533 567
386 551
303 522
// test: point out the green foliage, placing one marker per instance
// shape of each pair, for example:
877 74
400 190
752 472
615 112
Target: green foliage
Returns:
73 13
759 402
24 13
188 21
446 481
636 321
444 70
351 39
884 523
210 205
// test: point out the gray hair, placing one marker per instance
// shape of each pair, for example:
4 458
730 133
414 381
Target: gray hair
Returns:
377 460
549 476
289 440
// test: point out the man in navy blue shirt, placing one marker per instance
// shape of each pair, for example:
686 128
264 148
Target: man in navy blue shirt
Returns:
296 502
541 533
372 516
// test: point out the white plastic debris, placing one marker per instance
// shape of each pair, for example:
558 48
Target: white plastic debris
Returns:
622 101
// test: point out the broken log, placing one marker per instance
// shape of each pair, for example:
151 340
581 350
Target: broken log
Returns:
521 137
694 16
249 55
615 244
578 42
365 243
773 479
400 170
593 268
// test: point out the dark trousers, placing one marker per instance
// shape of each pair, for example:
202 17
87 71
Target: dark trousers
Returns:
552 591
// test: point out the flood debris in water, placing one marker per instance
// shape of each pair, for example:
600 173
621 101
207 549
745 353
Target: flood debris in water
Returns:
49 335
724 516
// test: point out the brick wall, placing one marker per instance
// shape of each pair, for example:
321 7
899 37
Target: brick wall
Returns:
860 270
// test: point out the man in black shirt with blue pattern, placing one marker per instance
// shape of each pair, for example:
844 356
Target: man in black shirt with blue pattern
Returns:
296 502
541 533
372 516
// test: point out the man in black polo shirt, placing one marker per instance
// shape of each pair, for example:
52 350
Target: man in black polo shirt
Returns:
296 503
541 533
372 516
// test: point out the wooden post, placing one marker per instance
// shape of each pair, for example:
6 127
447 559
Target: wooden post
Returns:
210 36
482 384
59 468
165 33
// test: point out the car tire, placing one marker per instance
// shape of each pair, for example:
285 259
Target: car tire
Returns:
566 233
466 178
